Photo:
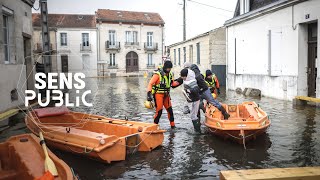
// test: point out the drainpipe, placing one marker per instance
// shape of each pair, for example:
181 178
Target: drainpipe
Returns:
98 47
162 42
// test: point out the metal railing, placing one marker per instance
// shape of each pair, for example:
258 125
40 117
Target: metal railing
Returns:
110 45
85 47
132 43
150 46
151 65
38 48
111 66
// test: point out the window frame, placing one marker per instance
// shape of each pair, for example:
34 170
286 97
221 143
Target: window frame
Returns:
198 53
63 39
150 59
175 56
6 30
112 59
85 40
149 39
179 56
112 37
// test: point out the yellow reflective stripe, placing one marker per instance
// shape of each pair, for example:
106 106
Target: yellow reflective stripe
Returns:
163 80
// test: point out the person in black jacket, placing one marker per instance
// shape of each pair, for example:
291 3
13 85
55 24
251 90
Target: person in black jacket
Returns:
204 90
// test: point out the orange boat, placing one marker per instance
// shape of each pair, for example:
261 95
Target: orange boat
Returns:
94 136
246 122
22 157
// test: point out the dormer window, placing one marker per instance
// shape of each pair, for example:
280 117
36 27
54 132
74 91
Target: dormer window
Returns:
244 6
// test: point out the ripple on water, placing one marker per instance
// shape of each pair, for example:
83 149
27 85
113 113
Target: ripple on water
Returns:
292 140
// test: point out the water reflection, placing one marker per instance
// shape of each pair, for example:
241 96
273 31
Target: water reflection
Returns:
292 140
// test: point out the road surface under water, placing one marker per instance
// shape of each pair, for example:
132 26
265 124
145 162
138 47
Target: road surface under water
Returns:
292 140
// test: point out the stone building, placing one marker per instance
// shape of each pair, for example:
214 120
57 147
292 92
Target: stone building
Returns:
16 62
207 50
129 43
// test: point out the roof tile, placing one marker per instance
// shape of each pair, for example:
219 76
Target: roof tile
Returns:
116 16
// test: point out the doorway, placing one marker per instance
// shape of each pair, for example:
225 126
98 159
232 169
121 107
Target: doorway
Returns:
64 63
28 63
312 56
85 62
132 62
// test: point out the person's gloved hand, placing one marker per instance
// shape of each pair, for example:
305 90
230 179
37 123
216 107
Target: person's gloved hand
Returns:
218 89
179 80
149 96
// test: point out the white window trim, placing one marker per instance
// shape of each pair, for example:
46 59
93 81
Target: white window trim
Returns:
149 39
65 38
112 57
7 11
84 38
115 37
150 58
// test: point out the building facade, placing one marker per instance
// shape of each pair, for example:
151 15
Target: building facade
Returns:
129 43
207 50
16 62
73 39
272 45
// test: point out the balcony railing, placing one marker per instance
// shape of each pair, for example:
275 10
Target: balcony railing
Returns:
85 48
113 66
113 45
151 66
38 48
132 43
150 46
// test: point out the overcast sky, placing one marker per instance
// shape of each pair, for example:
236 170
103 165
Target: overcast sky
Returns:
200 18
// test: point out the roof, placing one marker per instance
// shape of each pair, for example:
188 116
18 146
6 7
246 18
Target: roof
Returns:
66 20
196 37
254 4
116 16
259 8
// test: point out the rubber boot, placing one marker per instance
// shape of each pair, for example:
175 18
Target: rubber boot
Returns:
224 113
201 106
196 125
186 110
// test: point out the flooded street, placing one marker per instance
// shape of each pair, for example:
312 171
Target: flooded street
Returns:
292 140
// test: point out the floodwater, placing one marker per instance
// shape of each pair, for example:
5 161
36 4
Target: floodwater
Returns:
292 140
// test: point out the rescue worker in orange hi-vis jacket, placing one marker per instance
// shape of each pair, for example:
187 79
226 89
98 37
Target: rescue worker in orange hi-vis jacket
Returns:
159 90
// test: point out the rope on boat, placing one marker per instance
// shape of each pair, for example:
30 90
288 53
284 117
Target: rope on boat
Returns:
135 146
79 152
243 137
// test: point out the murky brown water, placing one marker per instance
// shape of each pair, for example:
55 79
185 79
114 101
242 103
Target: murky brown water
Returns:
292 140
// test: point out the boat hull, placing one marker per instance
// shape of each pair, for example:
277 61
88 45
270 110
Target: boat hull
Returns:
235 135
22 157
96 137
247 121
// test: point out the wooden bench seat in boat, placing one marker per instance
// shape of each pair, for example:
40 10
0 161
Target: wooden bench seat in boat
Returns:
80 136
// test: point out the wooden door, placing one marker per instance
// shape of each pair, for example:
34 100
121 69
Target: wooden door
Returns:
132 62
312 56
64 63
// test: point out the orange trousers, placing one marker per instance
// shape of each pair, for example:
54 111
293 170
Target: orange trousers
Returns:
163 99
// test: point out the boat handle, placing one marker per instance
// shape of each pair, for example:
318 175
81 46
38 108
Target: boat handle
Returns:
155 132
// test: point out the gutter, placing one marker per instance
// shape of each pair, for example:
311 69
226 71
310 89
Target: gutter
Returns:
262 11
128 21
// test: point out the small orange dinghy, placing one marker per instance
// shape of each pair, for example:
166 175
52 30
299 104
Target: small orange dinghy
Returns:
246 122
22 157
93 136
